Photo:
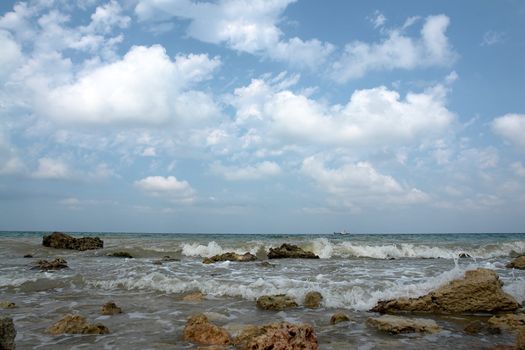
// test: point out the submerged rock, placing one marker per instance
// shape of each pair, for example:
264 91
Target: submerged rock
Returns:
199 330
313 300
165 258
276 302
61 240
7 305
28 256
397 325
76 324
517 263
121 255
508 321
477 327
196 296
277 336
7 333
464 255
230 257
290 251
110 309
266 264
520 339
339 317
56 264
479 291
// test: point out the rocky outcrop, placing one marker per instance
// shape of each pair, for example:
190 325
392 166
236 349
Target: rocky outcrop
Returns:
508 321
196 296
290 251
199 330
55 264
230 257
110 309
7 333
479 291
121 255
339 317
61 240
517 263
76 324
7 305
396 325
277 336
520 339
276 302
313 300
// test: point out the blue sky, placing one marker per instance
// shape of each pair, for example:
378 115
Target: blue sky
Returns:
262 116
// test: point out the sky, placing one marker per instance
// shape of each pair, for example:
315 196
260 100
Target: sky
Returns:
276 116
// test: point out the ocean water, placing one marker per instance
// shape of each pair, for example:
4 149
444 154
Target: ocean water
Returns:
354 272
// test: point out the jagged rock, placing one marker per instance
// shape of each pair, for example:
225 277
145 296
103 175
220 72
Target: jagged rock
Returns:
479 291
520 339
110 309
56 264
61 240
199 330
313 300
277 336
276 302
7 305
196 296
7 333
477 326
339 317
290 251
121 255
396 325
517 263
230 257
508 321
76 324
464 255
28 256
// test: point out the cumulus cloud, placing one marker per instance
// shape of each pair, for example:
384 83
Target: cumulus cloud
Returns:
52 168
512 128
518 169
251 172
11 54
169 187
245 26
397 51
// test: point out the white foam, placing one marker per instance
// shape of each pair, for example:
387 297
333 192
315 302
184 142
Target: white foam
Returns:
213 248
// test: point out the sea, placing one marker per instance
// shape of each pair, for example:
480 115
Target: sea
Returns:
354 272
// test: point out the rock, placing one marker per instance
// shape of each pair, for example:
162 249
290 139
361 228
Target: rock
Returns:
464 255
479 291
276 302
230 257
396 325
477 326
339 317
121 255
110 309
165 258
196 296
313 300
266 264
7 333
56 264
7 305
520 339
76 324
199 330
277 336
28 256
501 347
212 347
507 321
290 251
60 240
517 263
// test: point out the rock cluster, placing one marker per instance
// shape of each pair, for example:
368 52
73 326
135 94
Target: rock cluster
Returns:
199 330
110 309
61 240
517 263
313 300
290 251
76 324
277 336
479 291
55 264
396 325
7 333
276 302
230 257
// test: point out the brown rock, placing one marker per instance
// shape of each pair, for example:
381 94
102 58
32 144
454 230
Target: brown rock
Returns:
339 317
507 321
517 263
520 339
56 264
110 309
479 291
196 296
121 255
290 251
230 257
501 347
396 325
61 240
278 336
76 324
276 302
266 264
313 300
7 333
476 327
7 305
199 330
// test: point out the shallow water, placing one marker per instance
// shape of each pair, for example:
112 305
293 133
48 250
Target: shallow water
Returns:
354 272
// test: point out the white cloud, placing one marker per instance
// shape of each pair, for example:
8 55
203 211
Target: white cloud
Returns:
378 20
257 171
149 152
245 26
170 187
49 168
518 168
397 51
10 163
106 17
492 38
511 127
10 57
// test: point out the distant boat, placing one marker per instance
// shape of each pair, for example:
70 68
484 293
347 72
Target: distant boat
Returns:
341 233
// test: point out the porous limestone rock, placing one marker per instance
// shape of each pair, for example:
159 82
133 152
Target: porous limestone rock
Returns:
276 302
76 324
199 330
230 256
396 325
110 309
517 263
55 264
290 251
7 333
313 300
61 240
277 336
339 317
